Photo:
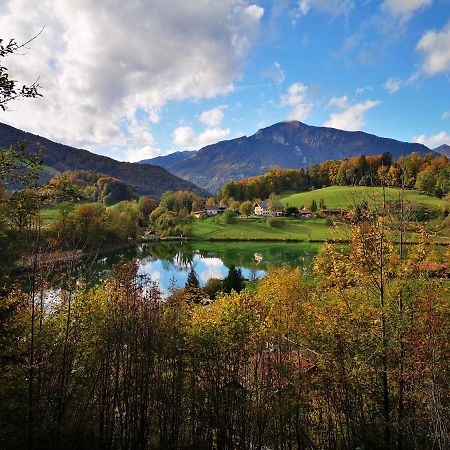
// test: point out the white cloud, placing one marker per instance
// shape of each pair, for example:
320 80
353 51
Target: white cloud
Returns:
140 153
100 62
254 12
300 112
183 137
212 118
338 102
363 89
433 141
404 9
351 119
435 48
332 7
392 85
211 136
445 115
276 73
304 6
296 97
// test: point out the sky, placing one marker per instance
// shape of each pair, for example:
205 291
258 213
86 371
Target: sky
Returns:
143 78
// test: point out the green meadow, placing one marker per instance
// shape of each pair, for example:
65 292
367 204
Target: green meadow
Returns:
254 228
345 196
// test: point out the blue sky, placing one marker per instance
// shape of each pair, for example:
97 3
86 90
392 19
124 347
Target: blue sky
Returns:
143 80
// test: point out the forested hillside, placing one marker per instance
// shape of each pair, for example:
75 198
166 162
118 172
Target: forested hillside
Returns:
96 187
428 174
144 179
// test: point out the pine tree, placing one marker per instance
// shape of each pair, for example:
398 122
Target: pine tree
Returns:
192 279
234 280
313 206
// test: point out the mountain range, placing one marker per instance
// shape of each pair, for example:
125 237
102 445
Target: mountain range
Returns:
151 180
283 145
443 150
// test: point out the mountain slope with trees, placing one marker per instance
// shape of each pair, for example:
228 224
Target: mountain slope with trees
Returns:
144 179
428 174
443 150
282 145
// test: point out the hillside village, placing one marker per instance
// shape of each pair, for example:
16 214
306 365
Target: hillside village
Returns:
264 208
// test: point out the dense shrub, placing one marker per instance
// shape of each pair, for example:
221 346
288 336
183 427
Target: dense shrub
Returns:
275 222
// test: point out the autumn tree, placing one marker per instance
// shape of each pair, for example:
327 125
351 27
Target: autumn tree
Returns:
246 208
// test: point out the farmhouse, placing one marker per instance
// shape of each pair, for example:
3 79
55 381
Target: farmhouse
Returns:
262 209
333 212
212 210
304 212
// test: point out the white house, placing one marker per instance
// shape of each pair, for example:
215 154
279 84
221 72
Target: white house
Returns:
212 210
262 209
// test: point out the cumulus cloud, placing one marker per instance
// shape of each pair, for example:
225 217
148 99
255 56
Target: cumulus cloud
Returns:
445 115
392 85
254 12
338 102
185 136
296 97
404 9
352 118
139 153
211 136
435 48
213 117
433 141
100 62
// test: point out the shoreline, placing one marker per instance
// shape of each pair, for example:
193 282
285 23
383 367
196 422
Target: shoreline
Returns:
61 259
304 241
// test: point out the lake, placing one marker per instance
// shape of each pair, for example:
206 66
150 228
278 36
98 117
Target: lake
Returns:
168 263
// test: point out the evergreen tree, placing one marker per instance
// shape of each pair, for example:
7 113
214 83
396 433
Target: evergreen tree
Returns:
313 206
233 281
192 279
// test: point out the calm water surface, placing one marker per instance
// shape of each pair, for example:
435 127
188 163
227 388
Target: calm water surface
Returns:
168 263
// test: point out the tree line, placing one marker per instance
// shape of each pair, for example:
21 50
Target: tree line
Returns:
95 187
429 174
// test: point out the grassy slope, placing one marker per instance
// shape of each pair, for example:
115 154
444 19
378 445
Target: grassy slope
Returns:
343 196
256 228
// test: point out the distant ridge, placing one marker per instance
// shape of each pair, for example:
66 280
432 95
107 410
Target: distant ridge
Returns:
169 159
284 145
145 179
443 150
